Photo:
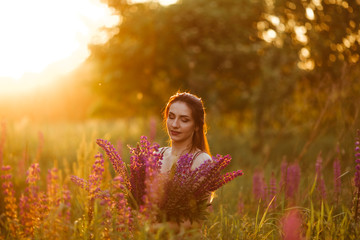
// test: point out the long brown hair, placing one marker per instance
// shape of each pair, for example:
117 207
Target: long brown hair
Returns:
198 113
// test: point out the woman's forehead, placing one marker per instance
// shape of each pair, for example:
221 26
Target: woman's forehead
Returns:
180 108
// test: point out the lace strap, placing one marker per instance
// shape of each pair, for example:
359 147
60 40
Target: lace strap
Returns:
196 155
162 151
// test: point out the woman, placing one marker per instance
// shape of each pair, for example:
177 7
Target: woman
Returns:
184 116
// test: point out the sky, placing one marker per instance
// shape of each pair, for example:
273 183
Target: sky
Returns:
43 39
46 35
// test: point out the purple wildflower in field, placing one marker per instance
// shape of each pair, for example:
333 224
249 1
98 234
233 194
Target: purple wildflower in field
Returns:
124 218
240 205
53 187
32 208
259 186
291 225
144 166
180 195
272 191
80 182
357 161
66 198
187 191
357 177
293 176
320 183
25 213
33 174
115 158
96 176
10 206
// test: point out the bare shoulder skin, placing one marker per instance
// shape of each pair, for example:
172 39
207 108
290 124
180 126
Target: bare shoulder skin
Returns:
201 158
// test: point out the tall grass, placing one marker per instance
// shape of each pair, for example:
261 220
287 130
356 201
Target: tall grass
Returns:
316 198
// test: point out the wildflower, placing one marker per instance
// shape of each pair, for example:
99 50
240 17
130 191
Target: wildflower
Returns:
114 158
259 186
181 196
80 182
52 187
33 174
271 192
10 202
240 205
291 225
66 198
144 165
31 205
357 177
357 161
121 205
96 175
187 192
292 180
320 180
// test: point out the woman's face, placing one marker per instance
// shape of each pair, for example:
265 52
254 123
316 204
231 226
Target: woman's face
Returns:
180 123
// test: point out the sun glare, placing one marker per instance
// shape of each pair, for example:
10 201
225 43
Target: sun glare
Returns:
162 2
40 33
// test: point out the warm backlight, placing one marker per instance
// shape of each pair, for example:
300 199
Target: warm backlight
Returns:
43 35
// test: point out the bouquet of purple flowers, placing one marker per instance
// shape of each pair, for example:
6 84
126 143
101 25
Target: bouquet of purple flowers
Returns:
181 195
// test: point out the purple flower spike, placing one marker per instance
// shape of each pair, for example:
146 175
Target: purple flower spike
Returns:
96 175
357 161
292 180
80 182
272 191
357 177
259 185
180 195
33 174
114 157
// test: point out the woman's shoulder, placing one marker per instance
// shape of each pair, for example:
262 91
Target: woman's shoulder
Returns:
199 158
161 150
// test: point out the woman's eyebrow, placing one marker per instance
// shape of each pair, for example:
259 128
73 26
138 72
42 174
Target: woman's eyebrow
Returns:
180 115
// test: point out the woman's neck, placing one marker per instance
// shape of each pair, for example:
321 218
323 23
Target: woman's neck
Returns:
181 148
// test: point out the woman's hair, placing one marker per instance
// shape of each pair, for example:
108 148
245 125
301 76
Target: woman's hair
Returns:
198 113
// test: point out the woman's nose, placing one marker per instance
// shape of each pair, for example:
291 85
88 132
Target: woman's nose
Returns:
175 123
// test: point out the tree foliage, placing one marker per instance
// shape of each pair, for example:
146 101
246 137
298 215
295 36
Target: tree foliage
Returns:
270 63
207 47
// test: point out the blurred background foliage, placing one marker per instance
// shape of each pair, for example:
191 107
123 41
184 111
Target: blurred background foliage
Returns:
273 74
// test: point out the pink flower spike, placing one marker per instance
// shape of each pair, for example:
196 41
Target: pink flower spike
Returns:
291 225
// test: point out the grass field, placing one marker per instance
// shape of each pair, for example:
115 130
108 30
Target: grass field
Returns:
279 197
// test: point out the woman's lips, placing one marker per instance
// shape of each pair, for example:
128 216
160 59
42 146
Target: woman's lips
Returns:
174 133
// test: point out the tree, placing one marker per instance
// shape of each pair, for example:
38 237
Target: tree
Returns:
206 46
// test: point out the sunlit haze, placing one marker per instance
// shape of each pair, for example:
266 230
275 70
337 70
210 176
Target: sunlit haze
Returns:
43 39
162 2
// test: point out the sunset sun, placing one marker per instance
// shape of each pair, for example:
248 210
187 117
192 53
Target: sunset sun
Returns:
39 34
